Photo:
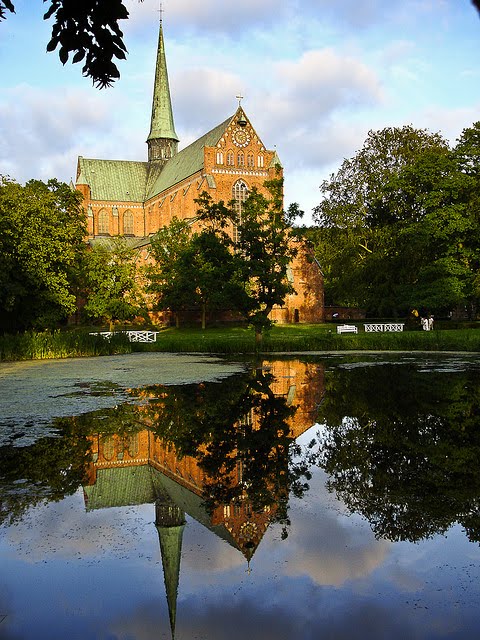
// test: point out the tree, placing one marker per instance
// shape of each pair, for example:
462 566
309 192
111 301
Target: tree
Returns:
213 273
398 215
42 227
166 277
112 291
90 31
467 155
264 251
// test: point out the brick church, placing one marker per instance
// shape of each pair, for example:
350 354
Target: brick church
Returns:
135 199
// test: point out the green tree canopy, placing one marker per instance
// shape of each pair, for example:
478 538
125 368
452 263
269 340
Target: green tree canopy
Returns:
42 227
112 290
264 249
395 225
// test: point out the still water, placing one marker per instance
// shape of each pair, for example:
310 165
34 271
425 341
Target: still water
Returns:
154 496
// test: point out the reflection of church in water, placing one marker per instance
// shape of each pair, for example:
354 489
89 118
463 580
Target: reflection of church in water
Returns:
141 469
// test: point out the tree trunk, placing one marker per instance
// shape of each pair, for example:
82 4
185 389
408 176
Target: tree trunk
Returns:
204 315
258 339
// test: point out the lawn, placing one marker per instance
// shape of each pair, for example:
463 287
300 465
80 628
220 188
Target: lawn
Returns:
237 340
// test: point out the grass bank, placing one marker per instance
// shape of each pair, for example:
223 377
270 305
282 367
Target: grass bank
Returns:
236 340
314 338
59 344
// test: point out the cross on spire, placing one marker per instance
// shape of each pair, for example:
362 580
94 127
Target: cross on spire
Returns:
161 11
239 98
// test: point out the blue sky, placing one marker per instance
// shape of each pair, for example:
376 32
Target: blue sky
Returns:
316 76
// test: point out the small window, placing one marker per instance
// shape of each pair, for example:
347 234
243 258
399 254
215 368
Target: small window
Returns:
250 160
241 159
219 157
128 223
230 159
103 223
260 161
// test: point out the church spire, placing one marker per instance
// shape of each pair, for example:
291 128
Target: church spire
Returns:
162 140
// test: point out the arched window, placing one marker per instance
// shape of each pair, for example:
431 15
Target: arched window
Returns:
260 161
240 194
103 223
230 159
128 223
219 157
132 445
241 159
108 447
250 160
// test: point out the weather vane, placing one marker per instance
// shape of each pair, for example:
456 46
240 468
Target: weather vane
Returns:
239 98
161 11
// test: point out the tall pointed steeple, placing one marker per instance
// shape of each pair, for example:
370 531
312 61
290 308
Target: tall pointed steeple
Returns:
162 140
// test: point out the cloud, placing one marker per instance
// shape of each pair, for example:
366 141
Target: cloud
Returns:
199 110
208 16
323 80
40 128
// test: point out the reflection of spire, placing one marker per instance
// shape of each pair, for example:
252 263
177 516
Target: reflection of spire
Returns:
170 522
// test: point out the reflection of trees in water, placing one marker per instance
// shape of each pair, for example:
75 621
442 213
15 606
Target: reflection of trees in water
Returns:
46 471
238 432
401 447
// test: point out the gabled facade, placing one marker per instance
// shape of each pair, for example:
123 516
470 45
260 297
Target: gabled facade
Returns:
136 199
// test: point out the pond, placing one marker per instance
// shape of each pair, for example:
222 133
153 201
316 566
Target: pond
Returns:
156 496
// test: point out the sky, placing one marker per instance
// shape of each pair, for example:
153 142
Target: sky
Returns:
315 75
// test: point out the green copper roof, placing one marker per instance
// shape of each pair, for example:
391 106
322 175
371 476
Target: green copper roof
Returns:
121 486
187 161
117 180
162 114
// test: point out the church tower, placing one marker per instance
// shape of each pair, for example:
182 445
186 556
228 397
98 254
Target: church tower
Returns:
162 140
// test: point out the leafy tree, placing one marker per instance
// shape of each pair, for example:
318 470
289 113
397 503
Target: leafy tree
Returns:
213 273
90 31
266 248
397 216
42 227
263 251
167 278
467 155
112 290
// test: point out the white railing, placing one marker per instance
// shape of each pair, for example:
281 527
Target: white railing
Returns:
142 336
384 326
133 336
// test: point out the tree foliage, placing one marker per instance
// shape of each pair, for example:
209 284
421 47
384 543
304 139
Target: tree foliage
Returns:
208 270
113 292
397 226
42 228
87 30
264 249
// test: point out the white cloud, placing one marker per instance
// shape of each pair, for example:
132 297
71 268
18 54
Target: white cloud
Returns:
40 128
208 16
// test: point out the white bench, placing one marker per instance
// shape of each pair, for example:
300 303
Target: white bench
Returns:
347 328
384 326
133 336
